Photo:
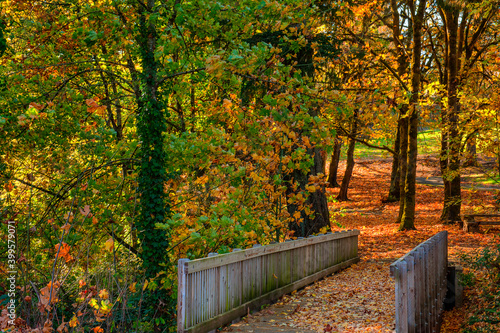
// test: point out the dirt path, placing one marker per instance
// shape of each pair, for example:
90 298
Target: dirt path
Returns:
361 298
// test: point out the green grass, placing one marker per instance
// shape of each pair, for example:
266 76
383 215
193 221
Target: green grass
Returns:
483 178
429 143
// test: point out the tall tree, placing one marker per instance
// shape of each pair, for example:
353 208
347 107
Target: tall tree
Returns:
463 34
410 129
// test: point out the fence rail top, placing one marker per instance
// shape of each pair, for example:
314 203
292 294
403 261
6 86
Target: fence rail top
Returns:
235 256
438 236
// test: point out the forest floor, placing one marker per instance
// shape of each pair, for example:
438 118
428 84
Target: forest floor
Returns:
361 297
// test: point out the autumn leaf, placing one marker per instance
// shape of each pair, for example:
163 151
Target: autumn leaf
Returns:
8 187
85 211
45 295
47 327
109 244
73 322
68 216
103 294
63 328
66 227
64 251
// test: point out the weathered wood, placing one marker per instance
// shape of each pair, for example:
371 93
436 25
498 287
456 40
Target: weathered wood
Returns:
182 293
421 285
411 293
228 258
266 299
221 288
400 273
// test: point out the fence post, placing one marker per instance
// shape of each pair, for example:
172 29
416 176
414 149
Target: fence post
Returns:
411 293
181 294
401 297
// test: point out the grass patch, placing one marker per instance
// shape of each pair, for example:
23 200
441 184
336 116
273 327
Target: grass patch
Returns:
429 143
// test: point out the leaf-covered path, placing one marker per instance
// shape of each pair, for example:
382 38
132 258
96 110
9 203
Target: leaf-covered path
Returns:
361 297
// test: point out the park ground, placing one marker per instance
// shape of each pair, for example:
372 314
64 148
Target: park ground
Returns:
361 298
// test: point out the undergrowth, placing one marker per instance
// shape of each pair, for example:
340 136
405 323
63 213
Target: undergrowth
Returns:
484 277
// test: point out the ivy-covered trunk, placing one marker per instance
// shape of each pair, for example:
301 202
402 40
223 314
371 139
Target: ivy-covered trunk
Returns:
154 207
151 124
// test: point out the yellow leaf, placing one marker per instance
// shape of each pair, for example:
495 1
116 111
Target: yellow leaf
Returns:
73 322
93 303
109 244
132 287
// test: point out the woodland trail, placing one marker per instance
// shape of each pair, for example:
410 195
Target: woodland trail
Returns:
361 297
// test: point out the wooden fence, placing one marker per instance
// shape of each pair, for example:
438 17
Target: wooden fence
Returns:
421 285
214 291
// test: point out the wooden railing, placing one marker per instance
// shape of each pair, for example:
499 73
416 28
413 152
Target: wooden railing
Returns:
421 285
214 291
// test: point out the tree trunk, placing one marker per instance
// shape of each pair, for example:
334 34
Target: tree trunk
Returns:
316 201
471 152
403 155
151 124
334 164
342 196
154 204
394 189
407 208
452 203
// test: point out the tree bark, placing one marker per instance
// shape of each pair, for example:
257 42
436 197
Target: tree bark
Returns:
407 208
451 174
403 155
319 216
471 152
334 164
342 196
394 189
